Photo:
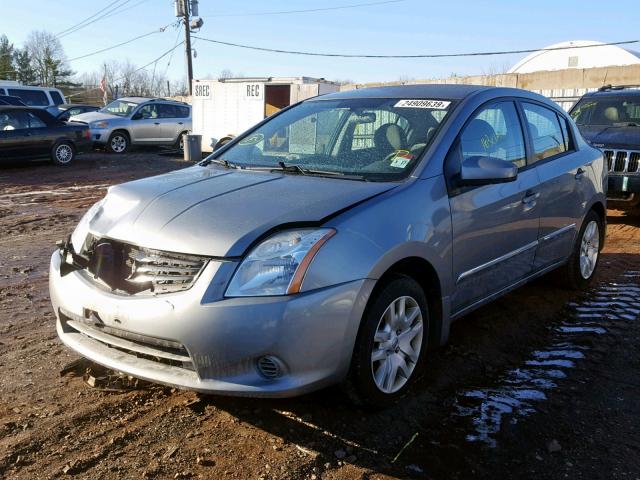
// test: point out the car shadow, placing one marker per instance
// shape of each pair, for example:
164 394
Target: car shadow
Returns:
422 434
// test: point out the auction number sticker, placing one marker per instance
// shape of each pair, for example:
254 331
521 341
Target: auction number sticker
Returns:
423 103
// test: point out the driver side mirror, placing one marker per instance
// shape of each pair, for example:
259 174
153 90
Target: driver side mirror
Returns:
479 170
136 116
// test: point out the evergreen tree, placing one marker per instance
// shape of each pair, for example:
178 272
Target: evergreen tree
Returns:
6 59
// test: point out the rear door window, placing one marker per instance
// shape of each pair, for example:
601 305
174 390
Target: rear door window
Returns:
31 98
166 111
546 133
495 131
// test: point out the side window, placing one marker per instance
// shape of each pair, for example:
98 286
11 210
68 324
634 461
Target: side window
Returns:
34 121
149 111
56 97
166 111
183 112
546 133
496 132
31 98
568 141
13 121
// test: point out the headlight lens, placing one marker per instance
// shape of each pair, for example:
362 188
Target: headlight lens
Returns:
100 124
277 266
80 233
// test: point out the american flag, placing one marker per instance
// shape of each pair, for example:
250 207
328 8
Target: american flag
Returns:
103 88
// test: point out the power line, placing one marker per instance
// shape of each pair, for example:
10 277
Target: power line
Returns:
433 55
160 30
113 11
283 12
88 18
133 71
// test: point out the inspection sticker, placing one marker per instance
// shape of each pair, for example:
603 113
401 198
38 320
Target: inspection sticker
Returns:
401 159
423 103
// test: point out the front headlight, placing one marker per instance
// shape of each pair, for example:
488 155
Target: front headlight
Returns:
278 265
100 124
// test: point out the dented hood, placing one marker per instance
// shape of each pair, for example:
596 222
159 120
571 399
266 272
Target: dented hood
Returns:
218 212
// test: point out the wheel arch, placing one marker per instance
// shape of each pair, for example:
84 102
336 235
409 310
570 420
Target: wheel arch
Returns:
425 274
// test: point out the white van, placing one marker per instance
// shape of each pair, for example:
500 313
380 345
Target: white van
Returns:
42 97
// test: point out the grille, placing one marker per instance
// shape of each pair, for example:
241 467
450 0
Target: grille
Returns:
132 269
622 161
158 350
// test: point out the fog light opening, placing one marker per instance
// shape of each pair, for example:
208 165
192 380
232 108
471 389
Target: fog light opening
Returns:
269 367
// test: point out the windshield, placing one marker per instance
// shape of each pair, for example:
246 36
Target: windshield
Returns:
120 108
612 111
372 138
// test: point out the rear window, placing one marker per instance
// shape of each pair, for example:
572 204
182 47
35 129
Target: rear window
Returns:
31 98
56 97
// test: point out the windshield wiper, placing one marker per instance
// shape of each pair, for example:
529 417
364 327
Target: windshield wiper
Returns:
295 168
224 163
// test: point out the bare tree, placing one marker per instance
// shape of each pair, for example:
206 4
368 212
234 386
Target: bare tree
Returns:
47 58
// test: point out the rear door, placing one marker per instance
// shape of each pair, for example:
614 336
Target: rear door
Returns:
562 173
172 121
495 227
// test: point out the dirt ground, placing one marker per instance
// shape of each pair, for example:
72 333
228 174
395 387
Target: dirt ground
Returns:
543 383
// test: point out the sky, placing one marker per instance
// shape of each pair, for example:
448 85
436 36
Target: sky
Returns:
403 27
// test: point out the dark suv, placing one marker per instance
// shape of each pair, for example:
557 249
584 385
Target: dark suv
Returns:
609 119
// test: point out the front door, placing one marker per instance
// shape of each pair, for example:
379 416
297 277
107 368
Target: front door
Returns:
495 227
146 126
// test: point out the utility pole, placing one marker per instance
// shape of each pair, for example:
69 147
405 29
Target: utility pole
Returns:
187 42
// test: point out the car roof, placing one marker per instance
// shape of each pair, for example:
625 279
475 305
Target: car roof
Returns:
615 92
430 91
18 107
149 99
71 105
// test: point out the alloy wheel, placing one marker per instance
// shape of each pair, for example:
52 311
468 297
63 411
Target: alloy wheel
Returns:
118 143
589 249
397 344
64 153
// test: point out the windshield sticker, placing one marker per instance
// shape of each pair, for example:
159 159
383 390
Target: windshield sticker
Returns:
431 104
401 159
252 139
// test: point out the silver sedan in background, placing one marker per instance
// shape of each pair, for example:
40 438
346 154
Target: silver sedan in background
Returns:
333 243
138 121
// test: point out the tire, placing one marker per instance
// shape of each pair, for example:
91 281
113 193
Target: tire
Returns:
379 347
579 271
179 145
63 153
119 142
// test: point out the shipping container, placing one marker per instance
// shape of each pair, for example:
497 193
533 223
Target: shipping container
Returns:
227 107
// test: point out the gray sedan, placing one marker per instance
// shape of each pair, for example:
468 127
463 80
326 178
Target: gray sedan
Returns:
335 242
138 121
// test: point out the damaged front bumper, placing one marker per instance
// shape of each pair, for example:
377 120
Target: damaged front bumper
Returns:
199 340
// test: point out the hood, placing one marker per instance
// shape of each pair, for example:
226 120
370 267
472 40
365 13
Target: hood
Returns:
217 212
599 136
88 117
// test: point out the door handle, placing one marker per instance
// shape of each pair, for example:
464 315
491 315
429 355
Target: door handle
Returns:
156 123
27 134
580 173
530 197
180 123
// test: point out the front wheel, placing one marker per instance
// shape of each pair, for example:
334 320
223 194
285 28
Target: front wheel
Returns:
391 344
118 142
63 153
581 267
